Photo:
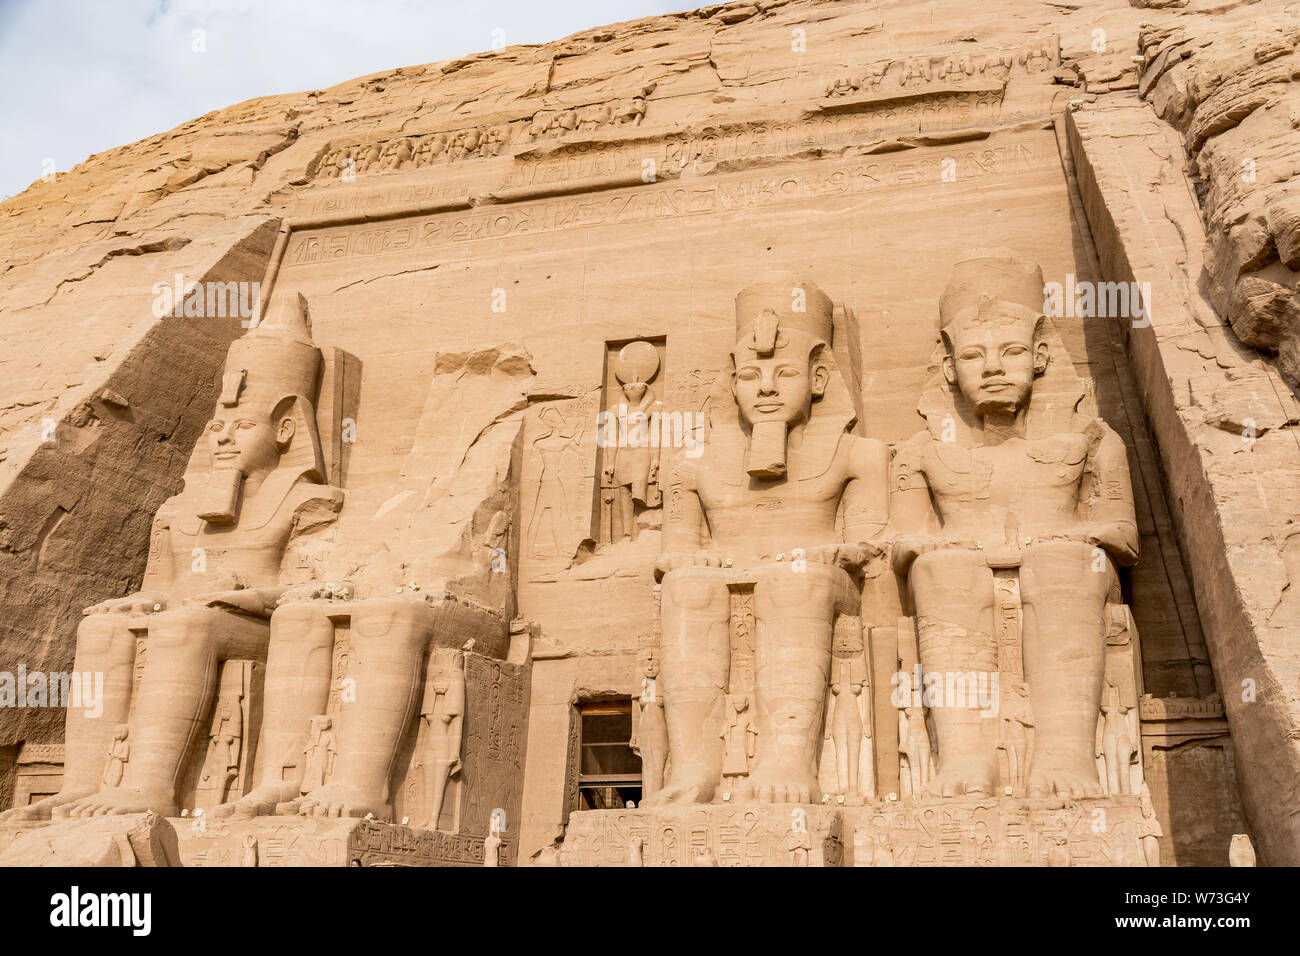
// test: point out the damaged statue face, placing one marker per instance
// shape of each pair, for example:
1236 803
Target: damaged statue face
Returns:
993 359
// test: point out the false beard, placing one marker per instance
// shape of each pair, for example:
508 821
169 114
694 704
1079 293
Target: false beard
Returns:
220 502
765 457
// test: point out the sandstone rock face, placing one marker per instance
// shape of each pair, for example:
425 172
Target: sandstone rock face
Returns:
584 453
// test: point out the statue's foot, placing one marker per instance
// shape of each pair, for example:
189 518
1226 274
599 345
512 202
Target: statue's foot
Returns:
343 800
116 801
683 789
964 777
41 809
672 794
259 802
1064 781
779 787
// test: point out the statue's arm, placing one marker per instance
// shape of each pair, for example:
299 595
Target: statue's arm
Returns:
656 445
914 525
159 576
309 507
158 572
911 510
866 497
684 525
1112 522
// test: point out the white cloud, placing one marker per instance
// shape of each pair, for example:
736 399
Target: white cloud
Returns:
77 78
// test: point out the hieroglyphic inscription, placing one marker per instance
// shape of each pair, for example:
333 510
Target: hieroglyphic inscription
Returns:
737 836
742 640
670 200
1002 832
380 844
941 107
985 832
944 69
739 142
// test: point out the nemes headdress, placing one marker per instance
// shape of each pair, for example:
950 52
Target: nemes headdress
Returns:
274 359
274 369
783 312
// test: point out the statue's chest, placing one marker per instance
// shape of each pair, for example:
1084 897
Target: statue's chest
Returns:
764 496
255 536
1007 470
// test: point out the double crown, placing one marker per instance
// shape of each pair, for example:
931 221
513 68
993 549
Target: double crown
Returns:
274 359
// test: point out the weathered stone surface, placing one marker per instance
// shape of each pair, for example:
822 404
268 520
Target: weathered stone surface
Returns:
133 840
503 254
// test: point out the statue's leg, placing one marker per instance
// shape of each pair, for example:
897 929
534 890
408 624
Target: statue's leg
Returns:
298 666
694 653
105 645
438 774
953 591
1128 757
853 751
627 512
795 613
389 640
1063 587
840 741
1111 760
1151 850
177 688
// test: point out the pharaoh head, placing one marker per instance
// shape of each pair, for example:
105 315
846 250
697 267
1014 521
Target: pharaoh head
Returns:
647 658
991 321
270 379
783 329
444 664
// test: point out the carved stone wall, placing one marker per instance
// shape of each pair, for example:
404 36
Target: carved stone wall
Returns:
487 227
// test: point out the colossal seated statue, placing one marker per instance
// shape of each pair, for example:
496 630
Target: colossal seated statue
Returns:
211 583
779 478
438 578
1012 480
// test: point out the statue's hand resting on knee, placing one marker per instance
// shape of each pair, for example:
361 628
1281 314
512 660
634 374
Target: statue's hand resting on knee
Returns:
142 602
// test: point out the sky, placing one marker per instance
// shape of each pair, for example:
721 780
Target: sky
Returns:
81 76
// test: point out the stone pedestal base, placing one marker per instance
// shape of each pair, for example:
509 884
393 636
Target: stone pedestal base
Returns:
973 832
137 839
737 835
271 841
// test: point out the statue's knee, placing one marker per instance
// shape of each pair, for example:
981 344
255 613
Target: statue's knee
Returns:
379 617
97 633
942 570
1068 564
692 589
786 587
182 627
300 616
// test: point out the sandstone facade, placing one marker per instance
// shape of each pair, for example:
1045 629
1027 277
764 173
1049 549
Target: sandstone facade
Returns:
498 627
